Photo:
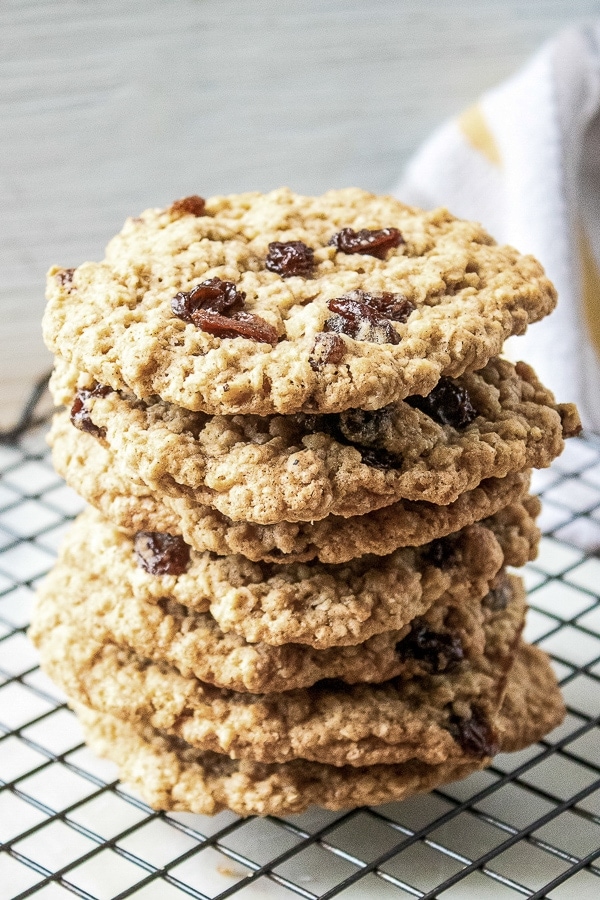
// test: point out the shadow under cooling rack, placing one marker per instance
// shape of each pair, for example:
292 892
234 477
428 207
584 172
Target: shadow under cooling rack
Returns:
527 827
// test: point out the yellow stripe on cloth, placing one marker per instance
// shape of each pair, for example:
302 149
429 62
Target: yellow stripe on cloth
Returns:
473 125
590 288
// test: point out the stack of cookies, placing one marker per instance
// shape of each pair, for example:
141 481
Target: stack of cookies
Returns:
307 469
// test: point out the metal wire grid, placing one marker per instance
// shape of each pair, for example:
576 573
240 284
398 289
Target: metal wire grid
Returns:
527 827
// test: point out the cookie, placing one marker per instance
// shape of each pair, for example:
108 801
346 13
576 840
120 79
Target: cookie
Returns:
89 467
304 468
94 591
170 774
316 604
433 718
314 304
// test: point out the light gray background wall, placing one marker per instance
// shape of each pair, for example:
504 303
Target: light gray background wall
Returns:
109 106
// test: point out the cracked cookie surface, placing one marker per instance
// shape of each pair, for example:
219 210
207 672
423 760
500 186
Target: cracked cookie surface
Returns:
317 604
304 468
467 295
172 775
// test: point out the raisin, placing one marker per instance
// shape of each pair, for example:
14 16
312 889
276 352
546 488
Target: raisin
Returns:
241 324
370 242
438 650
368 317
474 734
365 430
333 425
161 554
328 348
65 277
189 206
387 305
80 413
379 332
212 296
393 306
447 404
499 597
440 553
366 427
217 307
378 458
288 258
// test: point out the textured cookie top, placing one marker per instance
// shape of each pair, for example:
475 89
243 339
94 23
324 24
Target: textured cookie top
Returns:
434 718
171 774
303 468
316 604
292 330
89 467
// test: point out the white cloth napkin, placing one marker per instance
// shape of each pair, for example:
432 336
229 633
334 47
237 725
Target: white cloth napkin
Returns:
525 162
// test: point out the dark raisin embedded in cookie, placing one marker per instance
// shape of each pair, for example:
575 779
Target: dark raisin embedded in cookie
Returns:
366 427
368 317
378 458
499 597
365 430
440 651
241 324
161 554
217 307
80 412
375 329
440 553
328 348
211 296
288 258
474 734
189 206
375 242
65 277
447 404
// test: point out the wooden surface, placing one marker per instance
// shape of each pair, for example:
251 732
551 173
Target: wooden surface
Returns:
108 107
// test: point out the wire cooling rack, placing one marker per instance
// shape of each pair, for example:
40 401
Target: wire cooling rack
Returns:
527 827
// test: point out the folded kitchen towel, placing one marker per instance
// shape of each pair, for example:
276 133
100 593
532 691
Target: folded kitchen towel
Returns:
524 161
